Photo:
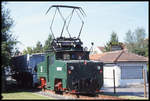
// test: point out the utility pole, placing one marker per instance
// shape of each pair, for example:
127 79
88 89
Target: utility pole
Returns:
114 81
144 77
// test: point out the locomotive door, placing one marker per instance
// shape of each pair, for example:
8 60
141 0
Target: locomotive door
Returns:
50 61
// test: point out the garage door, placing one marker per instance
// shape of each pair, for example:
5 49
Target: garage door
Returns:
131 72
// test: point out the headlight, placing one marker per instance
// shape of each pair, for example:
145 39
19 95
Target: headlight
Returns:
71 67
98 67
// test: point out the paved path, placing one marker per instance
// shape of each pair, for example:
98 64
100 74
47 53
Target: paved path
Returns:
134 90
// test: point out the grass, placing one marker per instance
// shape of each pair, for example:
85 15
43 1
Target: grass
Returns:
13 92
23 95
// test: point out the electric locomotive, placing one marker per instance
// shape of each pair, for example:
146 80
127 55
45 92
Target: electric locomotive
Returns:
67 66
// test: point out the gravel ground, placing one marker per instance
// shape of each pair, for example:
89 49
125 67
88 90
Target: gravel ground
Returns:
73 97
55 96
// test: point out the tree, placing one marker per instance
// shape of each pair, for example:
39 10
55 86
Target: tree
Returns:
114 38
136 42
16 52
113 42
47 45
146 47
29 50
25 52
107 47
8 40
38 48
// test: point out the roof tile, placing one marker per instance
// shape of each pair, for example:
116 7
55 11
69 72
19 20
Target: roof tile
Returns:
118 56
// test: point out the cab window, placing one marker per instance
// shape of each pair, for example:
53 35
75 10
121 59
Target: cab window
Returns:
52 59
66 56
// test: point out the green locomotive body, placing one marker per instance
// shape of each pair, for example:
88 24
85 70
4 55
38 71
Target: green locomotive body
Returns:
67 66
69 69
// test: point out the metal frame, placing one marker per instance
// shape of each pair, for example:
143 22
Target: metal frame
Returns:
74 9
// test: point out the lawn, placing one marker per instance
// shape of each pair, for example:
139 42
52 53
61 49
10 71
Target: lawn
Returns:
23 95
14 92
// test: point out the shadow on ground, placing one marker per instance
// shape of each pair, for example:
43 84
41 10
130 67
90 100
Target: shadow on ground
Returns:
14 88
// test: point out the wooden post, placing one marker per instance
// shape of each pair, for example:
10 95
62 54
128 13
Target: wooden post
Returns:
114 81
144 77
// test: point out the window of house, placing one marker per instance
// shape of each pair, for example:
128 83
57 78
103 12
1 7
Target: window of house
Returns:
131 72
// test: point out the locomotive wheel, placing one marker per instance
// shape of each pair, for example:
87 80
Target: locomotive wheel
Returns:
43 89
58 86
43 83
58 92
77 95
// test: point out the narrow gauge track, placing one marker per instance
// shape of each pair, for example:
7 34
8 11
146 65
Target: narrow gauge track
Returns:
52 94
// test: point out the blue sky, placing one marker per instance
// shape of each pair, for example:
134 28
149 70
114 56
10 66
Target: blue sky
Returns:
32 25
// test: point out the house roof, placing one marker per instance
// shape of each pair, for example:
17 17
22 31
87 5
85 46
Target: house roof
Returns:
110 57
118 56
95 56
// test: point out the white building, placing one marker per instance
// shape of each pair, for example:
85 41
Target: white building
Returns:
98 50
128 68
